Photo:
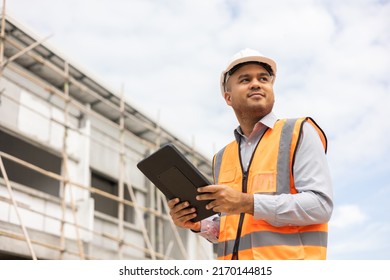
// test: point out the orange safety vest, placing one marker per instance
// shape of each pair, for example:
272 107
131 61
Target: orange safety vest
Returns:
270 172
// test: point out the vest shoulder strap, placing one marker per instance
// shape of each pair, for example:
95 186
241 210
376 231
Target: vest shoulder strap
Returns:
217 160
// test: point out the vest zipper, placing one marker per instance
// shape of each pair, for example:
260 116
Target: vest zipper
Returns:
241 221
244 190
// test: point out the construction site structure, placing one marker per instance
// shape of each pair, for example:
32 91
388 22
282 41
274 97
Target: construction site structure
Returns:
69 185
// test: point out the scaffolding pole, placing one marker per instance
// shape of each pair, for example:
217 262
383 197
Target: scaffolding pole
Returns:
22 52
2 37
11 194
162 205
65 165
140 217
121 192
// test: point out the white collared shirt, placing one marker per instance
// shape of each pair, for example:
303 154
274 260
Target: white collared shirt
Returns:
248 144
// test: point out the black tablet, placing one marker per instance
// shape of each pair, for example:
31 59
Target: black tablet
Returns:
175 176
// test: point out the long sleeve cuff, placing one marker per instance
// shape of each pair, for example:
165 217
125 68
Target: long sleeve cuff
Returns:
210 228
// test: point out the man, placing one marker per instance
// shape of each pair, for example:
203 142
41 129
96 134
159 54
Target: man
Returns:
272 187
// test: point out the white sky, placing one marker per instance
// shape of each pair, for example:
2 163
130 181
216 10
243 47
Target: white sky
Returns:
333 65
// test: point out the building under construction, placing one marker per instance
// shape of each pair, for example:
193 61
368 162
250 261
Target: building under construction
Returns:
69 186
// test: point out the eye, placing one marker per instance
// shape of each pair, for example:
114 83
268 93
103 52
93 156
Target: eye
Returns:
244 80
264 79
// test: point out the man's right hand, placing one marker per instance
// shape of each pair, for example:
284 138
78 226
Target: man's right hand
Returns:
181 215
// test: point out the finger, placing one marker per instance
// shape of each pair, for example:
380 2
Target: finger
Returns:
206 196
179 207
184 212
184 217
208 189
189 223
217 209
211 188
187 215
173 202
212 205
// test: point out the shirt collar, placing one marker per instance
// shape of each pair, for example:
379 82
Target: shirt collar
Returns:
267 121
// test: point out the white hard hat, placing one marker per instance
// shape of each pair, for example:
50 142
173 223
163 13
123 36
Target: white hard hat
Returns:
245 55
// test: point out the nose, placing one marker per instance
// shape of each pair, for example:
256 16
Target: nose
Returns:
255 84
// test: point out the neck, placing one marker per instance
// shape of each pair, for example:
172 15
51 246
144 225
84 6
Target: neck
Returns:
247 125
248 121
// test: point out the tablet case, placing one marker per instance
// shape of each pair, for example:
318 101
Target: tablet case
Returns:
175 176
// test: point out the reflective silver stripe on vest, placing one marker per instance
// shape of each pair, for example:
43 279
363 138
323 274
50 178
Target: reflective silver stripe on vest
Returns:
217 164
269 238
283 167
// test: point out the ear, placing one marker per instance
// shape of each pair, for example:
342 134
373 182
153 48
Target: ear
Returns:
228 97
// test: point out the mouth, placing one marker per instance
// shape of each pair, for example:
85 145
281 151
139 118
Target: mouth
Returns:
256 94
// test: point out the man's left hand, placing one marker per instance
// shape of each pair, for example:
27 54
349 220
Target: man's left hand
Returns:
226 200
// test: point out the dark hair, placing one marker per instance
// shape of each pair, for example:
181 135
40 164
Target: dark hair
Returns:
266 66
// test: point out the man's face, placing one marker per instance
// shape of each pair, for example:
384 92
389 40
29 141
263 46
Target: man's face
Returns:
250 91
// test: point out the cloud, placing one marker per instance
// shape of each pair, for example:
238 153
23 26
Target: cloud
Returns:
361 230
370 242
347 216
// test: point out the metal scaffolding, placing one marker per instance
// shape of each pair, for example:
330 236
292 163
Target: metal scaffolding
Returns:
77 96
